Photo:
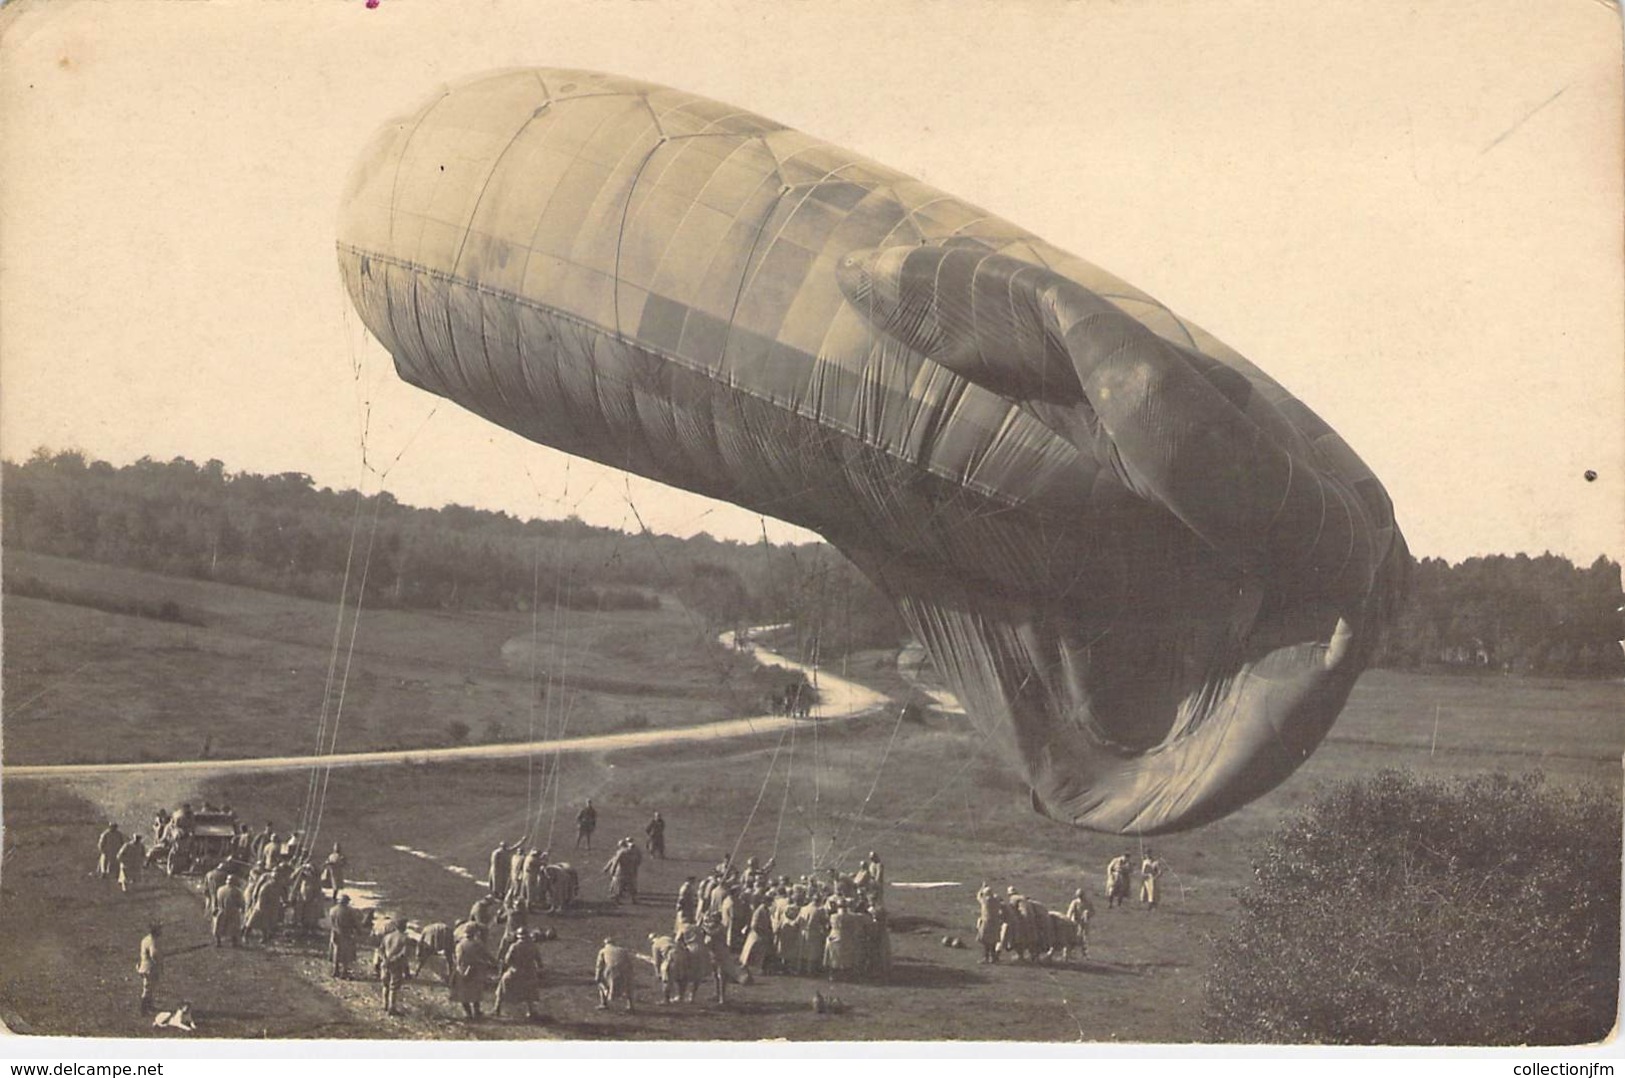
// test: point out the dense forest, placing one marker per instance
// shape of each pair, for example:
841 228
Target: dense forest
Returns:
1515 614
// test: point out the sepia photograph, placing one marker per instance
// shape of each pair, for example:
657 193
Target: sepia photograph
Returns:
635 523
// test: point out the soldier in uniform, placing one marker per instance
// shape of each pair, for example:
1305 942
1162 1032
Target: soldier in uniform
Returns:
521 978
586 823
1150 870
656 830
333 871
228 912
471 964
393 962
107 848
612 972
131 856
343 930
150 964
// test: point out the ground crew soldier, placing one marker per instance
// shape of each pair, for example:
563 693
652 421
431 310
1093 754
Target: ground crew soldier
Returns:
501 863
107 848
131 856
150 965
656 830
612 973
213 880
343 926
333 871
394 962
1150 869
471 964
586 823
1117 880
521 978
228 912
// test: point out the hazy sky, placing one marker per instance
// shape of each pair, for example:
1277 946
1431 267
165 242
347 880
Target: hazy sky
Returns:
1409 215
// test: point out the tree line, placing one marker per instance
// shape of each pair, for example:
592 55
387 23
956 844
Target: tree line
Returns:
283 533
1514 614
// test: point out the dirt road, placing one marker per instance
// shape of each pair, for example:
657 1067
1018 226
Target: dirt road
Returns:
839 699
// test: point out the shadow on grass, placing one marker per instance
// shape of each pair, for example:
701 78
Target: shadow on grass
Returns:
928 975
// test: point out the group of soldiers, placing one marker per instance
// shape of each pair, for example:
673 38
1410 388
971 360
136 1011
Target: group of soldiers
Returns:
518 878
263 883
277 888
1028 929
494 944
654 831
738 921
1015 924
796 701
119 857
832 924
1120 880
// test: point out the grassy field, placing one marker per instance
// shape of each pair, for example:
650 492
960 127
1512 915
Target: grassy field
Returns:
937 807
85 685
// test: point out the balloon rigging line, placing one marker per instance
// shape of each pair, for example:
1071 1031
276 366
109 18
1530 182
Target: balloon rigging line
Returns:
344 682
761 793
784 805
530 731
332 665
941 789
364 419
857 820
413 437
531 811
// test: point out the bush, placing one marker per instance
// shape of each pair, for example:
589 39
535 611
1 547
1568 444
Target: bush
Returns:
457 731
1397 910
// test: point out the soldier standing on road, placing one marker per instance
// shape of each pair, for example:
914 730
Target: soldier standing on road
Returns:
150 965
586 823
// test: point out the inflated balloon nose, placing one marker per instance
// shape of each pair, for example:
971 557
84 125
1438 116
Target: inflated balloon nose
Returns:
1150 573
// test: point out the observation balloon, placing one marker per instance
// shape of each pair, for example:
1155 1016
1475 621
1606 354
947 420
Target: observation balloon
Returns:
1150 574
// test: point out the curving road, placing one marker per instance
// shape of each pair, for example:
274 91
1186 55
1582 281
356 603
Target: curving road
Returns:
839 699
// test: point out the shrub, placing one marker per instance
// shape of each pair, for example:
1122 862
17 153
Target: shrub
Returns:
1397 910
457 731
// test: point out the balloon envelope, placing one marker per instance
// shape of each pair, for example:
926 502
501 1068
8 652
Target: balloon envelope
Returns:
1150 573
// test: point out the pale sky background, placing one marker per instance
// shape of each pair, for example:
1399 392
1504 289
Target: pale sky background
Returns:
1409 215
